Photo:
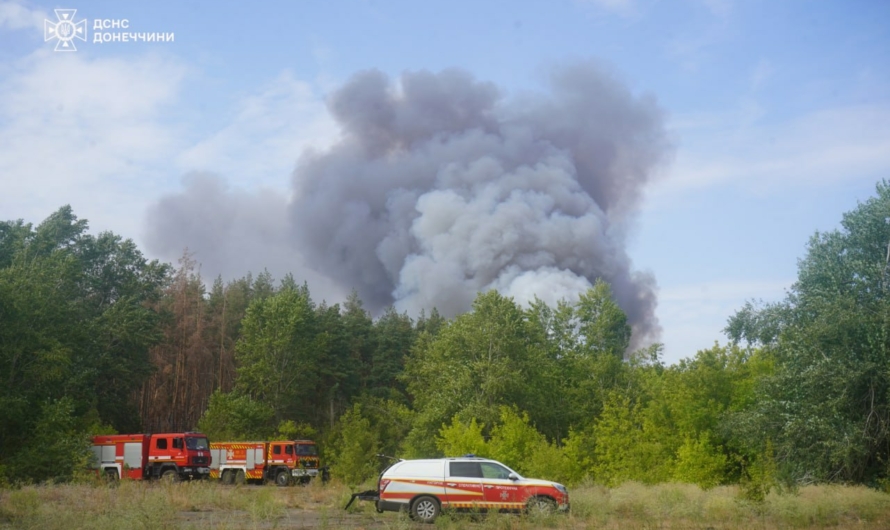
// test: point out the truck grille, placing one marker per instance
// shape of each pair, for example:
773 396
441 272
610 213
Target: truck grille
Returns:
199 460
305 462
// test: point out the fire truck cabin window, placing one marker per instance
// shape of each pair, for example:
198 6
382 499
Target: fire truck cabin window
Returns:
306 450
276 450
177 443
161 443
289 449
197 444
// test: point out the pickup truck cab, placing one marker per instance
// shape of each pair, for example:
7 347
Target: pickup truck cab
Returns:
426 487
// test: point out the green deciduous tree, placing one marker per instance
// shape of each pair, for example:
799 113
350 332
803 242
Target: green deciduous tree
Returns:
629 444
827 408
353 448
517 443
700 461
459 438
234 417
76 325
584 345
475 364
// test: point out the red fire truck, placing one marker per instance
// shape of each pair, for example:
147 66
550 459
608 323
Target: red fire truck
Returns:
283 462
168 456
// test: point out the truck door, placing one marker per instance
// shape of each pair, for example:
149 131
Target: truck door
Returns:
178 453
289 460
463 485
499 491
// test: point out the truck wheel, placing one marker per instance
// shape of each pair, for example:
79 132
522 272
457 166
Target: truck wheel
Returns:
240 477
228 477
425 509
111 477
540 506
169 476
282 478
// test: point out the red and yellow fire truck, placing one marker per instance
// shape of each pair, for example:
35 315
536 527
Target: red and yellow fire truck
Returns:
169 456
283 462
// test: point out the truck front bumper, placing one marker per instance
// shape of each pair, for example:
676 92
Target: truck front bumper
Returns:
195 471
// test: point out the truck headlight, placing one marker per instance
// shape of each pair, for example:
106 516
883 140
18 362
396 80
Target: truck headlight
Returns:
562 489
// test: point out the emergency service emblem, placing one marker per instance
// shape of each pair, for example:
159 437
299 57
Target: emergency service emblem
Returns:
65 30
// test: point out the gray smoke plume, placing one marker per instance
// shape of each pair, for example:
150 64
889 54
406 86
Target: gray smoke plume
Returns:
441 187
230 232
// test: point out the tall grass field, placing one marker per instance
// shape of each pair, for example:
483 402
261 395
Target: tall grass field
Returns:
214 506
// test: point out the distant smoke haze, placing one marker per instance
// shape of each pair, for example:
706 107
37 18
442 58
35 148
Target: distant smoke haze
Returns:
441 187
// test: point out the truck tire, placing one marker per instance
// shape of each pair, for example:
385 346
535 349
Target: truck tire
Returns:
228 477
169 476
537 506
282 478
240 477
425 509
111 477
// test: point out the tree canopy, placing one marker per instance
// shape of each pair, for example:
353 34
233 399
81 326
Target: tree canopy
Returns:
94 338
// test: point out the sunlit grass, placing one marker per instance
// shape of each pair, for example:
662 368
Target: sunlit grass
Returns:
631 505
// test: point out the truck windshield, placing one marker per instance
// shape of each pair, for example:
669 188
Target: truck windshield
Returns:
306 450
196 444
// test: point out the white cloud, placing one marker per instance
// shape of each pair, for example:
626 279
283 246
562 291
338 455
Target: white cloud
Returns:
84 131
819 148
96 133
693 316
14 15
271 129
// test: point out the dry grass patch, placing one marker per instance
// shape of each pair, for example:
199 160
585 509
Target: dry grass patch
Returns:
632 505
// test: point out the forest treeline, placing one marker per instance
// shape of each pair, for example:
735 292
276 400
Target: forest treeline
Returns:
94 338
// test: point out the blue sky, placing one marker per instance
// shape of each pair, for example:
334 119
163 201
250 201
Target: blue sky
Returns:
779 113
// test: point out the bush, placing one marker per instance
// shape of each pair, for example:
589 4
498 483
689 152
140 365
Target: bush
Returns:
353 448
57 450
460 439
699 462
760 476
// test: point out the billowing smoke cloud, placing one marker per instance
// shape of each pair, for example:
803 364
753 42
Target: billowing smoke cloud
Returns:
230 232
441 187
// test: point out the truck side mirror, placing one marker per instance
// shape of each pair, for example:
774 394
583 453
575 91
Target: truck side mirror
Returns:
513 476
